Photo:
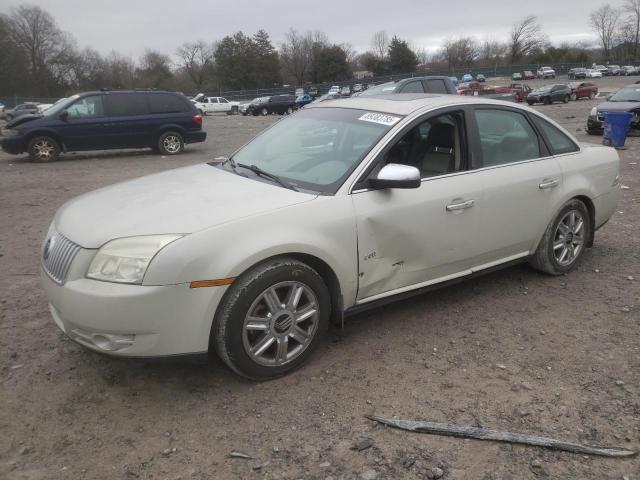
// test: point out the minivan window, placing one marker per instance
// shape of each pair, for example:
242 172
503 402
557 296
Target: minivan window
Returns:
126 104
166 103
87 107
436 86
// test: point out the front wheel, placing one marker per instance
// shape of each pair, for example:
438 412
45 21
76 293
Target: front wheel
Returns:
170 143
530 103
565 99
564 240
271 319
264 112
43 149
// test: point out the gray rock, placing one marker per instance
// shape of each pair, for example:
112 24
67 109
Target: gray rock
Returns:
362 444
369 475
437 472
325 465
536 463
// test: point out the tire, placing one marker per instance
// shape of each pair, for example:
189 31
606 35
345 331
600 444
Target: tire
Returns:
233 111
264 112
530 103
574 97
170 143
8 117
43 149
201 112
274 328
289 110
566 99
591 95
546 100
550 251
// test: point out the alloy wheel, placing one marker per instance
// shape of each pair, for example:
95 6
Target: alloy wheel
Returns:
281 323
171 144
44 150
568 239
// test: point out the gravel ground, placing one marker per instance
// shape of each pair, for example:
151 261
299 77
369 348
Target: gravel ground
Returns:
514 350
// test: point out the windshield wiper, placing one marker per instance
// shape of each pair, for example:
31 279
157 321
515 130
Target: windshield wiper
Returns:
260 172
234 166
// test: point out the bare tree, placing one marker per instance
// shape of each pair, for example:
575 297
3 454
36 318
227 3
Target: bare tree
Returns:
604 21
632 8
492 51
380 44
460 52
297 54
196 58
525 38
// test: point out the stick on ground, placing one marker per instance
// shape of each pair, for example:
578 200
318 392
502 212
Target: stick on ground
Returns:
452 430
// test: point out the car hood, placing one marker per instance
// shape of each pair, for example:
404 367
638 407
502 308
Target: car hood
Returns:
27 117
185 200
618 106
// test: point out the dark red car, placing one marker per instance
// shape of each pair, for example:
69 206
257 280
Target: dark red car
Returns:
583 90
528 75
521 90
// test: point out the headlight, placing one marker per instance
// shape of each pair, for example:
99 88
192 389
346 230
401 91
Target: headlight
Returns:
9 133
594 111
125 260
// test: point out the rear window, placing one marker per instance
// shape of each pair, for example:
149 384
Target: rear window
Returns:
126 104
166 103
436 86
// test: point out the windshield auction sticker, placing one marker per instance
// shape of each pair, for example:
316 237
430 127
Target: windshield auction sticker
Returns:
379 118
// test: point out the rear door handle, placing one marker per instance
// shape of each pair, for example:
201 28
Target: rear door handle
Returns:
452 207
549 183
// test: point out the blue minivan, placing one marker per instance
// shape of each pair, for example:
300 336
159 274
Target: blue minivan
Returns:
163 121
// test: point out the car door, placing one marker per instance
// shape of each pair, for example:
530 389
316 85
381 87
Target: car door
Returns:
410 237
214 106
81 125
127 122
521 181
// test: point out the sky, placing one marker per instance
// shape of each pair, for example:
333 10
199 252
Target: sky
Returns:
131 26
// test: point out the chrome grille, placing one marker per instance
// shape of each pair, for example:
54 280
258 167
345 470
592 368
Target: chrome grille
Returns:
57 255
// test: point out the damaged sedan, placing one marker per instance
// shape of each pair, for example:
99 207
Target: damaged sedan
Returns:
627 99
339 207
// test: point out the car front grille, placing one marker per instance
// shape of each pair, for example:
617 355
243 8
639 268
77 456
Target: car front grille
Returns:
57 256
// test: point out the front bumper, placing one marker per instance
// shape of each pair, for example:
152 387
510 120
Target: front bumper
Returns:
13 145
131 320
593 124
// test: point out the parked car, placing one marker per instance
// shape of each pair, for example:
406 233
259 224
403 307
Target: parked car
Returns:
593 73
521 91
627 99
164 121
303 100
299 91
19 110
546 72
454 80
280 104
480 78
577 73
358 87
615 70
312 208
495 92
630 70
334 90
467 77
549 94
528 75
206 105
601 68
313 91
430 84
345 91
583 90
516 76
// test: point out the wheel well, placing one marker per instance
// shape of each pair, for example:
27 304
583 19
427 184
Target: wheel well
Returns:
592 216
53 135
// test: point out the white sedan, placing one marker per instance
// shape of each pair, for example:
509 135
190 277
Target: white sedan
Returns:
342 206
592 73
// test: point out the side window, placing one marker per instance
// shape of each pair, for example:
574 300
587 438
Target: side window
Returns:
204 100
505 137
436 146
126 104
223 100
558 142
436 86
213 100
413 87
166 103
87 107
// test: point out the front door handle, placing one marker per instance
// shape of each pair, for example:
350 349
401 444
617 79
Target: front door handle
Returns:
549 183
452 207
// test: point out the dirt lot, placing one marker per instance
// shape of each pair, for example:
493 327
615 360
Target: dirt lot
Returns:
513 350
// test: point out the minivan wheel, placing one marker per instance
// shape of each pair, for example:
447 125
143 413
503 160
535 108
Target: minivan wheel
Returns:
564 240
43 149
170 143
271 319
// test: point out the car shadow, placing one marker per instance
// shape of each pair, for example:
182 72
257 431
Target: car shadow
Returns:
103 155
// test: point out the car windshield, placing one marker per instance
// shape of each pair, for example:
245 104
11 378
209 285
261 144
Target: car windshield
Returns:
316 148
59 107
381 89
629 94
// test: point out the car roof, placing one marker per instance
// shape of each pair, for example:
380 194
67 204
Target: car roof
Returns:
405 103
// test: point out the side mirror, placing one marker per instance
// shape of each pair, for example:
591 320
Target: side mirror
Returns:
64 115
394 175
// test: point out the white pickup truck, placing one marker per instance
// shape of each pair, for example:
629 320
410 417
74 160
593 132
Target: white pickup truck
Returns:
207 105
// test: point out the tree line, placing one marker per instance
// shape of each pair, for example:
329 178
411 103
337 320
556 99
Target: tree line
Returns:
39 59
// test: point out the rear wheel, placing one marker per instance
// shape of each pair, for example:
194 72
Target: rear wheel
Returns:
264 112
591 95
564 240
566 99
271 319
170 143
43 149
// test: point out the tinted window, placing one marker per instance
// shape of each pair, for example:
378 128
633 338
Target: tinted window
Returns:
557 141
436 86
413 87
126 104
166 103
223 100
87 107
506 137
